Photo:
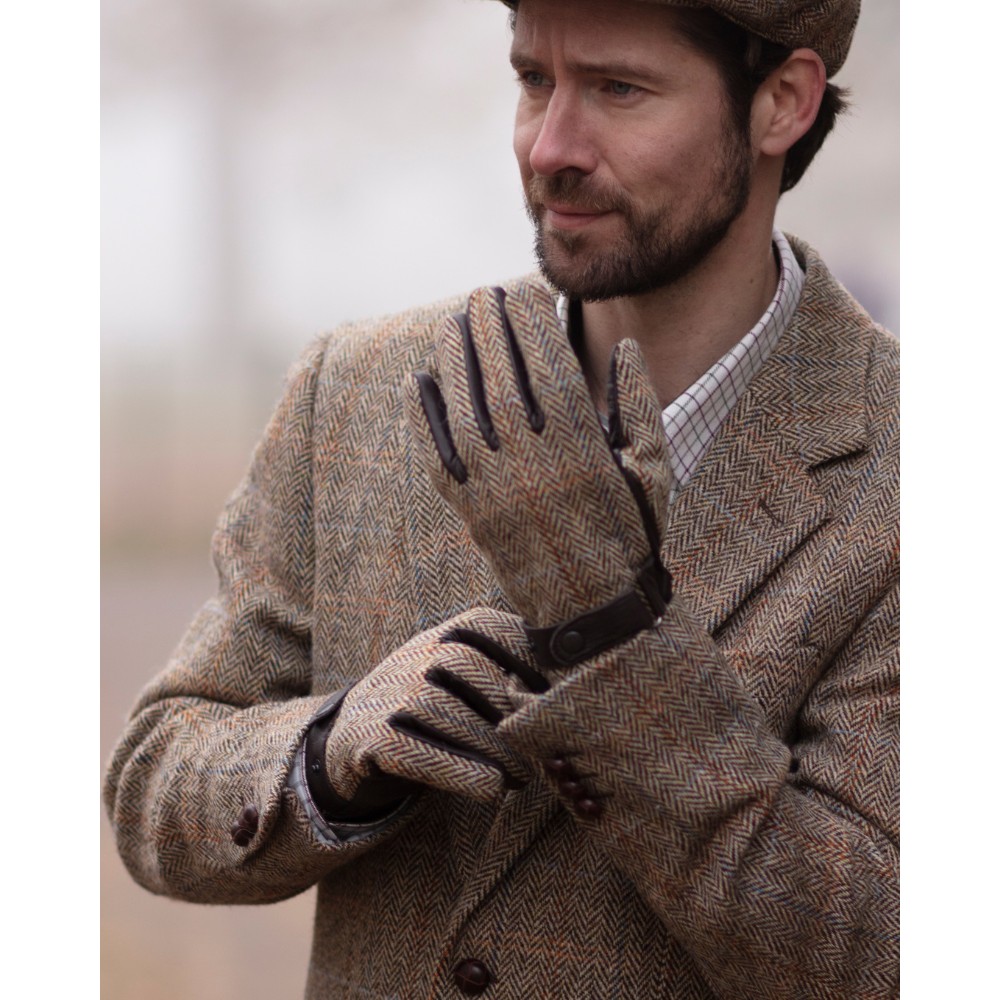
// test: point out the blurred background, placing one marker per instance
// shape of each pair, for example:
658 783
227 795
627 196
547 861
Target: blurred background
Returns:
271 169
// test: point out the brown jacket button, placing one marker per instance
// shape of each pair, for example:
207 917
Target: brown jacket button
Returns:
240 836
243 830
573 788
588 808
472 976
249 819
559 767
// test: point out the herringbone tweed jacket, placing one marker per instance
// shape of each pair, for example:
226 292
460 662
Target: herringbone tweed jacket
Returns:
706 875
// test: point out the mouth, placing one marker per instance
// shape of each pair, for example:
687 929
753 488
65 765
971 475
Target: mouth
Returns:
563 216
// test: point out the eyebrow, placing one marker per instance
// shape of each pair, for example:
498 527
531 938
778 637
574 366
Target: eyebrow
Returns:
613 70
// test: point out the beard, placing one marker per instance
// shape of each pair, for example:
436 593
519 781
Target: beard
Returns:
658 245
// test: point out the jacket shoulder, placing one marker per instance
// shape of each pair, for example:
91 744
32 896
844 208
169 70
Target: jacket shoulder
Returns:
835 330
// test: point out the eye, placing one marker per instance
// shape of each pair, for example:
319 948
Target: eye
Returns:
531 79
621 89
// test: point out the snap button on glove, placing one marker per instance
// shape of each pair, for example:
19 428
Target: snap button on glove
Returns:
569 518
427 716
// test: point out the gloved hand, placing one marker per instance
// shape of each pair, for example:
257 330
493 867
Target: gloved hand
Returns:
569 518
427 716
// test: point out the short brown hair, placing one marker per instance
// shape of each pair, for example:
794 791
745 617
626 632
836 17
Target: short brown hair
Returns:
745 60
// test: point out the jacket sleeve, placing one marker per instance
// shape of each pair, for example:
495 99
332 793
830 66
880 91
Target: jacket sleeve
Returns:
775 865
197 787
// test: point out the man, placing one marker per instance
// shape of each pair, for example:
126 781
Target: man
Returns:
550 703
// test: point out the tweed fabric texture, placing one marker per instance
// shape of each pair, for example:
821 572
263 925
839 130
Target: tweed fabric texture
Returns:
693 419
546 505
363 743
717 870
826 26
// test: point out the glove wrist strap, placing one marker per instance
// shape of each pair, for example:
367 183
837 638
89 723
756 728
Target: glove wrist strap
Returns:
583 637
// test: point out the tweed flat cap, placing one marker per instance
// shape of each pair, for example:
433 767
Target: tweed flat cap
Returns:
826 26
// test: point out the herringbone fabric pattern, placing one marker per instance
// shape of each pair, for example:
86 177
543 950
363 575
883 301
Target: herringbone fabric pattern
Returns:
716 870
363 741
826 26
547 505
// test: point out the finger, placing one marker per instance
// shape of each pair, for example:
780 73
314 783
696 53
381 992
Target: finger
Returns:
428 420
491 639
536 418
485 773
501 626
651 520
469 695
512 403
507 661
549 362
634 413
436 414
637 436
477 392
426 765
462 376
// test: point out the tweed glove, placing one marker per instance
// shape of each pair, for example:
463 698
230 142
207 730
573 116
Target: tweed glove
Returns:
569 517
425 716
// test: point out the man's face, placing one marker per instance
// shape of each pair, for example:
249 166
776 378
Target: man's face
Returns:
633 167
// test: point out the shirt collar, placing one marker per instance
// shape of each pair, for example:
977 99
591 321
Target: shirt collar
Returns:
693 419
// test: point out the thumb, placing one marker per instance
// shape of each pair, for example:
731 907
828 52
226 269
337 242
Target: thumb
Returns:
633 409
636 430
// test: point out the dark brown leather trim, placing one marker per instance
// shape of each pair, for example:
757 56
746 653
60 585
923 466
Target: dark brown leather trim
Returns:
376 796
320 788
593 632
437 420
536 418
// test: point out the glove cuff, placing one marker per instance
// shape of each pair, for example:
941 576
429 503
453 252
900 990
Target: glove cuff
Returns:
323 795
374 799
581 638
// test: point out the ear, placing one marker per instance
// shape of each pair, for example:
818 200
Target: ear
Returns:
787 102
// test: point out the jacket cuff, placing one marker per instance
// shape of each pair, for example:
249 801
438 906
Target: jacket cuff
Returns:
658 730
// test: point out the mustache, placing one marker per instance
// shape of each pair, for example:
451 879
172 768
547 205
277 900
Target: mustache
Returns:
578 191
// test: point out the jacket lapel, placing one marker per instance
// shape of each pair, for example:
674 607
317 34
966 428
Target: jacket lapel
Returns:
519 820
753 499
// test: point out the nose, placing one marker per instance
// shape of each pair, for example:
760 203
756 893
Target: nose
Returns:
561 139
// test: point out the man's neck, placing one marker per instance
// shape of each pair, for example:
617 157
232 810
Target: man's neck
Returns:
685 328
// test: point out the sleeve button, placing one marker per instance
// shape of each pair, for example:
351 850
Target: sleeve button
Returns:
588 808
241 836
243 830
249 819
573 788
559 767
